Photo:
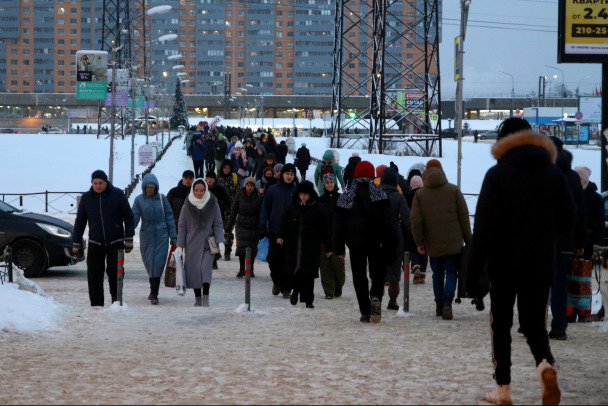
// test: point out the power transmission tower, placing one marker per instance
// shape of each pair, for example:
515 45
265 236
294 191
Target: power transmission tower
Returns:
386 72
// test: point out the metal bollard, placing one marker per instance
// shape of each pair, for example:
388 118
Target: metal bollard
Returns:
8 258
248 278
406 281
120 269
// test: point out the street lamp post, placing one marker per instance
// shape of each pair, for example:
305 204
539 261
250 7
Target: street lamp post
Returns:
512 91
579 83
464 15
563 92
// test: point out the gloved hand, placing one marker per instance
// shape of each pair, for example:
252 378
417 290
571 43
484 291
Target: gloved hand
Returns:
179 251
173 241
76 251
128 246
222 247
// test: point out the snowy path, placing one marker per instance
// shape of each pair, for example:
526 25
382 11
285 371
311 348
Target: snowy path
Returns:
175 353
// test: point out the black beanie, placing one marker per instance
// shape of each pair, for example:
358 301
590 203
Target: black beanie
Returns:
99 174
306 187
288 168
389 177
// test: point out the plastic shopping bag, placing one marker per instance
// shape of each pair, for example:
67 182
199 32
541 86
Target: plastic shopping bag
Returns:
262 250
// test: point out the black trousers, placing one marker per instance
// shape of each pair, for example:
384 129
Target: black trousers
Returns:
101 259
359 259
304 284
276 259
210 164
303 174
199 169
532 297
154 286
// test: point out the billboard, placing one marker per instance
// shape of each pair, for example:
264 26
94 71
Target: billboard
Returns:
91 74
582 31
591 109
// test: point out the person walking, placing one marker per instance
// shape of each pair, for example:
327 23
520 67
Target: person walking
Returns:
401 213
440 223
267 180
569 242
523 204
223 200
245 213
240 162
304 228
178 195
594 209
277 199
210 153
157 229
197 152
200 219
349 171
328 165
106 211
363 222
419 262
282 152
332 266
302 160
259 162
229 181
220 147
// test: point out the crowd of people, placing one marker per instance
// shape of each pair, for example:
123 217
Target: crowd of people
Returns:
534 215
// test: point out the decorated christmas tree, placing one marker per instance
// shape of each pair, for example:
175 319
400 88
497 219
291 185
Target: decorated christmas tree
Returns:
180 113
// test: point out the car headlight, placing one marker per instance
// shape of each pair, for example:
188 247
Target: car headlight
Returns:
55 230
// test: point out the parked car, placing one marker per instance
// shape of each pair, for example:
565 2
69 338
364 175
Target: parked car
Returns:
52 130
449 133
38 241
9 131
488 135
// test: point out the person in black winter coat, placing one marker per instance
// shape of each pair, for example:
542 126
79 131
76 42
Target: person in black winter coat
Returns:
271 145
302 160
220 148
523 205
106 210
304 227
594 204
198 151
259 162
282 152
570 241
178 195
349 171
245 213
332 266
364 223
401 213
401 181
210 153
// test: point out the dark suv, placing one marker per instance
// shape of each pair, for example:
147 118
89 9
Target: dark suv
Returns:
38 241
449 133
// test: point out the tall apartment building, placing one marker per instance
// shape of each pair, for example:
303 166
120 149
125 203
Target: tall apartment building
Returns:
280 47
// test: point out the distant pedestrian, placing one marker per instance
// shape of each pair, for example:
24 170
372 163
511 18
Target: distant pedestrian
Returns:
302 161
77 129
282 152
304 228
349 171
157 230
210 153
328 165
440 225
475 136
594 205
197 152
177 196
106 211
229 180
200 219
363 222
240 162
418 261
267 180
220 148
259 162
332 266
223 200
523 204
245 214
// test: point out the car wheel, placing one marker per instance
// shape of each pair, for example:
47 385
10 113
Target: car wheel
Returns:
30 257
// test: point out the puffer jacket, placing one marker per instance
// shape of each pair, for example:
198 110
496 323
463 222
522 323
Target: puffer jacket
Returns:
245 213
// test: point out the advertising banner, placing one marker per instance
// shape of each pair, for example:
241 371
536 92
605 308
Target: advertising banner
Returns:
91 74
583 31
590 109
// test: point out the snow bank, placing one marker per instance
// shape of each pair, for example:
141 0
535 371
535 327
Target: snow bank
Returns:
24 311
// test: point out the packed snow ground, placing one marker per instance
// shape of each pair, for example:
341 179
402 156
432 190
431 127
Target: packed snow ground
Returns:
175 353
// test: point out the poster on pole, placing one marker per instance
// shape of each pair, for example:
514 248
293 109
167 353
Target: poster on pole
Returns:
582 31
91 74
591 109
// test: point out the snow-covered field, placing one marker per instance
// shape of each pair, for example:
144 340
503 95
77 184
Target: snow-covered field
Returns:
57 349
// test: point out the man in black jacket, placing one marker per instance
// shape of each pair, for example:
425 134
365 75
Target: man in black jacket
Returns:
111 227
282 152
523 205
303 160
178 195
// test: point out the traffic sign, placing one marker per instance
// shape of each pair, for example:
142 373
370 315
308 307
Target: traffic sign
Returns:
578 115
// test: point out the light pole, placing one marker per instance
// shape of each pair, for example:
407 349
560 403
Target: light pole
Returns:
579 83
512 91
464 16
563 92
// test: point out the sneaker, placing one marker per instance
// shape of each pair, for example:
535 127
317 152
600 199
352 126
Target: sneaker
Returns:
293 299
376 314
501 395
392 305
310 306
276 290
558 335
365 318
240 275
329 296
154 300
286 294
338 292
551 395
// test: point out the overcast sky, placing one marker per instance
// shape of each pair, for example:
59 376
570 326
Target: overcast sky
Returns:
516 36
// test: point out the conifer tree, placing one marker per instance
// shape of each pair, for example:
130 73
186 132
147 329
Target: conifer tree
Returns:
180 113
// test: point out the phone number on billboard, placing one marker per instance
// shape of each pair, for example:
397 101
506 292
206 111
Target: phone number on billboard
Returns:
589 30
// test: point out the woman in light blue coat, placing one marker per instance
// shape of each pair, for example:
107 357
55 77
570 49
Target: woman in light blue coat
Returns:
157 228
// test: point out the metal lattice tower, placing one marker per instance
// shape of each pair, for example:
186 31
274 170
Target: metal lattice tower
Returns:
123 29
373 76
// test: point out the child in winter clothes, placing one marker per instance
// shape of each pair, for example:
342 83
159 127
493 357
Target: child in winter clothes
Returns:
304 227
332 266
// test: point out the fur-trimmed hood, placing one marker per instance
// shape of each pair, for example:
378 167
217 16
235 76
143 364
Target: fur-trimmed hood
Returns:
522 138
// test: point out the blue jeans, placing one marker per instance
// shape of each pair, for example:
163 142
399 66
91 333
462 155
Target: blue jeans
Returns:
559 293
445 268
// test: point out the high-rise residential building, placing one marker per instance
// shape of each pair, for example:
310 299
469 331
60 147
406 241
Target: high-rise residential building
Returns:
279 47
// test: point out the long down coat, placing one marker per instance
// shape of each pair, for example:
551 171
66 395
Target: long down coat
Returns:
195 226
245 213
157 226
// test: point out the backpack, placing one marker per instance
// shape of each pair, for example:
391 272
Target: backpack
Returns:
326 168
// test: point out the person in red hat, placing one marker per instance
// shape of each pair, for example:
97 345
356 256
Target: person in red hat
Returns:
364 223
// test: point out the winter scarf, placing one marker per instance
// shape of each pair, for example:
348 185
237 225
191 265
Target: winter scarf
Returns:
199 203
242 154
347 198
